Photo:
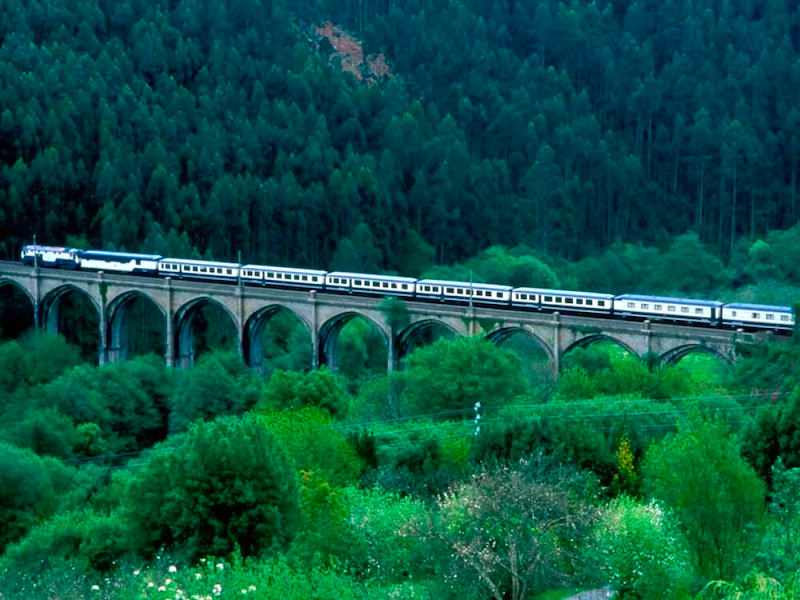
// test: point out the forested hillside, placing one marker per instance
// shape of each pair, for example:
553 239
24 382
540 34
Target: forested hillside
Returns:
226 125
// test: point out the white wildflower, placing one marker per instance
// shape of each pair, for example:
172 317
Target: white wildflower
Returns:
217 590
172 569
95 587
168 581
198 576
220 566
252 588
161 588
136 572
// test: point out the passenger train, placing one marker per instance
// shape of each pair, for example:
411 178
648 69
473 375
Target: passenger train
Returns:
633 306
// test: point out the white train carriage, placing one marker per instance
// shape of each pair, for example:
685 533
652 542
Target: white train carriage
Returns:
460 291
370 284
198 269
119 262
761 316
668 309
57 257
283 276
563 300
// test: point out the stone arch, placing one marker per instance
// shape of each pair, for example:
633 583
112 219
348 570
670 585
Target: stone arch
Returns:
498 336
116 343
4 281
253 332
50 306
183 333
407 338
15 320
672 357
591 340
329 335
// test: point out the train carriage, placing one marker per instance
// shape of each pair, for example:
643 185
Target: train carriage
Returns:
563 300
461 291
283 276
388 285
761 316
668 309
198 269
57 257
119 262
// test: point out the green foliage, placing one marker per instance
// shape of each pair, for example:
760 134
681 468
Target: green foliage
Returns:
38 358
719 501
220 384
226 486
627 377
30 490
778 555
384 524
320 389
449 377
85 541
642 551
313 443
511 530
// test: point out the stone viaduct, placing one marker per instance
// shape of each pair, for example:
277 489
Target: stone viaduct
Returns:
324 314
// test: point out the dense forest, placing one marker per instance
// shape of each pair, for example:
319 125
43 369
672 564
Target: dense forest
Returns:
228 126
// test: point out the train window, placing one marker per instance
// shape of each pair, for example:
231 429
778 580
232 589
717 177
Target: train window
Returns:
784 317
194 269
698 311
755 315
548 298
670 309
601 303
449 290
313 279
394 286
645 306
770 317
488 294
404 286
589 303
684 309
435 289
138 262
733 313
305 277
230 271
579 301
386 285
569 300
631 305
479 293
658 307
522 296
297 277
426 288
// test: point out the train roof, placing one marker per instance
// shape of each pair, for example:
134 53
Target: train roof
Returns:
769 307
570 293
669 300
122 255
465 284
370 276
201 263
40 248
284 269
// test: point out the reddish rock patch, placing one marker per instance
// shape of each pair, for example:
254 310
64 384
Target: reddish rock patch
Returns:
350 52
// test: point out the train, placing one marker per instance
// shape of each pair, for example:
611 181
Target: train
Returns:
713 313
